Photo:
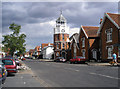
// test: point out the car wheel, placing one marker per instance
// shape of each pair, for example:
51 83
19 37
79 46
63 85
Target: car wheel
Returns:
3 81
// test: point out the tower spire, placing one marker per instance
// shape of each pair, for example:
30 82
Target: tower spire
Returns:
60 12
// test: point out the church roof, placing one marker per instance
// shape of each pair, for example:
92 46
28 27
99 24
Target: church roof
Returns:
61 19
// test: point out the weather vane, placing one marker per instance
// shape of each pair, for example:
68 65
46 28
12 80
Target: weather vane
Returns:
61 11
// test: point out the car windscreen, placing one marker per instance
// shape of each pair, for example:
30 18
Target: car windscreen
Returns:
1 62
7 62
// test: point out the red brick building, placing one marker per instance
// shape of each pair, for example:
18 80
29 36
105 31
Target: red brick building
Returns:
109 33
45 44
37 51
31 51
74 45
61 37
88 43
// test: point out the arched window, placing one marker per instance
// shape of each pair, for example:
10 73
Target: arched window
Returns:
74 49
83 42
110 52
63 45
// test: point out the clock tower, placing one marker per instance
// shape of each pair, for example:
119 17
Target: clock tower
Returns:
61 37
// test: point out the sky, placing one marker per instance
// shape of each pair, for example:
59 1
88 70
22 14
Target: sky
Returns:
37 19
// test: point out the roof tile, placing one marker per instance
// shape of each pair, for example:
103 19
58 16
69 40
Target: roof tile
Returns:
115 17
91 31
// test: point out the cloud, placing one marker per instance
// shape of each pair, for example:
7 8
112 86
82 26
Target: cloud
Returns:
29 47
39 33
38 18
74 30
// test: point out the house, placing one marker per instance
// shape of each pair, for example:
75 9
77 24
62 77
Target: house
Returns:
48 51
2 54
109 33
74 45
31 52
45 44
61 37
26 55
37 51
88 41
0 51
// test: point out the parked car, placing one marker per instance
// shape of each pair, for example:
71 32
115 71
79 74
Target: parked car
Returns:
23 59
14 58
17 62
4 71
10 65
0 76
60 59
77 59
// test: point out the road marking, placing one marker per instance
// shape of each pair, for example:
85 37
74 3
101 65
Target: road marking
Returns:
72 69
24 82
105 76
77 70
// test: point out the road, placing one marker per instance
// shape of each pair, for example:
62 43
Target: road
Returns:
74 75
52 74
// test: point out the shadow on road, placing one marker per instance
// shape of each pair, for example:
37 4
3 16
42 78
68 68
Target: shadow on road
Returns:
114 65
10 75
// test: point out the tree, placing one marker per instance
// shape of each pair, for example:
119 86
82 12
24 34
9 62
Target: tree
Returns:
14 41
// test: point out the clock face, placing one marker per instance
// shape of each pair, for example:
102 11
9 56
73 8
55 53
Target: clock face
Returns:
62 30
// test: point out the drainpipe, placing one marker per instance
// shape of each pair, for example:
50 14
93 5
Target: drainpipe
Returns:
88 51
119 36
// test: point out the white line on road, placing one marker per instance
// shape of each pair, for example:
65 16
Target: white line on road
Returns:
24 82
77 70
72 69
21 76
105 76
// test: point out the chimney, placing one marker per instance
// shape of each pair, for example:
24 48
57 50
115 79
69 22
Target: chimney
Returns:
101 20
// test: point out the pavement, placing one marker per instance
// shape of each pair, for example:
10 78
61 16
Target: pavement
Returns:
88 63
23 78
100 64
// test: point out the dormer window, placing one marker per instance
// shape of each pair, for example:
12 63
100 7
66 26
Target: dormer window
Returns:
109 35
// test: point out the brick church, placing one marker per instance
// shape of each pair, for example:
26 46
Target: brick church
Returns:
61 37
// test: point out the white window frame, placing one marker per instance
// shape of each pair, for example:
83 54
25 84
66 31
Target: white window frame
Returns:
118 52
63 45
58 37
83 53
94 53
57 45
74 49
109 35
109 51
63 38
83 42
57 54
